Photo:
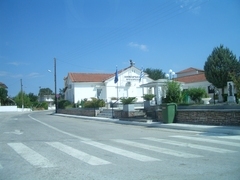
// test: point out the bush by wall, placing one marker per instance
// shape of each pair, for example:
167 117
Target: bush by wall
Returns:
94 103
173 93
196 94
63 104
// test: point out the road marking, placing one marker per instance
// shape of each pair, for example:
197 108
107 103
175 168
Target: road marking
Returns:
30 155
122 152
56 129
208 140
92 160
229 137
157 149
102 146
18 132
1 167
195 146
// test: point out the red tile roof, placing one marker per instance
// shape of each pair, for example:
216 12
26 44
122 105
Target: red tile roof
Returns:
2 85
89 77
192 78
189 70
92 77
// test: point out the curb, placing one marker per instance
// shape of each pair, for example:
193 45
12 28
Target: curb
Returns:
230 130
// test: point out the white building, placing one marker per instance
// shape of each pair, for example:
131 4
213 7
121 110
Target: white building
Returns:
79 86
192 78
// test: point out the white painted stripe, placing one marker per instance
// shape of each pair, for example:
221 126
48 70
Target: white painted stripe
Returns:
209 140
56 129
229 137
122 152
92 160
30 155
157 149
102 146
194 146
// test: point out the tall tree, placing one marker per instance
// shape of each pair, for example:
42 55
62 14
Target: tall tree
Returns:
22 97
155 74
218 65
45 91
3 95
61 93
33 98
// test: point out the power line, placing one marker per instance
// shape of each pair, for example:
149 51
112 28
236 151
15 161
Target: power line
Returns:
151 20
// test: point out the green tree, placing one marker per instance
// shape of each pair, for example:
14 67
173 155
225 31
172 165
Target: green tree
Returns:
33 98
3 95
236 80
218 65
154 74
61 93
45 91
173 93
196 94
22 97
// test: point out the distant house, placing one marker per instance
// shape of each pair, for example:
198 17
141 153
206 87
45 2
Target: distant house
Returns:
80 86
48 99
192 77
2 85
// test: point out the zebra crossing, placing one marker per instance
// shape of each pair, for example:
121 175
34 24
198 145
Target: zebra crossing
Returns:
128 149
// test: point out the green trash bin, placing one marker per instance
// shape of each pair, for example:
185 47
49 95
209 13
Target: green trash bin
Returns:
168 112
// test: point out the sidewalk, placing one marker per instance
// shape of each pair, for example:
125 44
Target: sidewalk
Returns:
231 130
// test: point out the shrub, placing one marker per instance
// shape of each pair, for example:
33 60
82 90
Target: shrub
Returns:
128 100
148 97
94 103
185 96
173 93
63 104
196 94
44 105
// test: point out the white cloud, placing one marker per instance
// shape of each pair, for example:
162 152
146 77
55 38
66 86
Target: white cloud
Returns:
17 76
34 75
16 63
139 46
193 6
3 73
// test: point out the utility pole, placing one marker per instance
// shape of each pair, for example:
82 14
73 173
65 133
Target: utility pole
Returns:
55 85
22 93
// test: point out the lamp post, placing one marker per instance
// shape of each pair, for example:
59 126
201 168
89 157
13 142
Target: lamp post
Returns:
213 90
170 75
12 100
55 85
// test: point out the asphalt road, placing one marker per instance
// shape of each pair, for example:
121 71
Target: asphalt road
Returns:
39 145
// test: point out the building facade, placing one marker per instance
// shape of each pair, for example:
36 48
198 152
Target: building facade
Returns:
80 86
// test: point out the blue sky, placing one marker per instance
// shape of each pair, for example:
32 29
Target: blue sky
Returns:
96 35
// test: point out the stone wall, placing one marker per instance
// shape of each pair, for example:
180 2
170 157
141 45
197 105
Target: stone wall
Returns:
79 111
130 114
229 117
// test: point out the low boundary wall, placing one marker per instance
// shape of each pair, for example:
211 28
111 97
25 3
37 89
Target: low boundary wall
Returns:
211 116
79 111
230 117
13 109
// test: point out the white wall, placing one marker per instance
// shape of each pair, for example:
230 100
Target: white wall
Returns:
86 90
8 108
203 84
128 86
13 109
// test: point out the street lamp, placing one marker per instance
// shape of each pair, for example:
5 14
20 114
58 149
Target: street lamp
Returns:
12 100
170 75
212 89
55 85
